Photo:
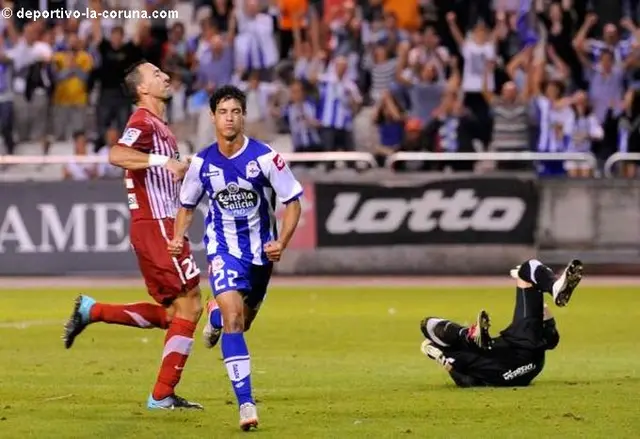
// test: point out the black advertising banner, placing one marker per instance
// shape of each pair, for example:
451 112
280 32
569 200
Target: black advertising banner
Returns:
452 211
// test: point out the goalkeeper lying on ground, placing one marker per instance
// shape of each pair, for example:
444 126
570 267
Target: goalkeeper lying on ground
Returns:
517 356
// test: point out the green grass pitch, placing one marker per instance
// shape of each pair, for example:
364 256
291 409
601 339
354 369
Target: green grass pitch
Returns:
326 363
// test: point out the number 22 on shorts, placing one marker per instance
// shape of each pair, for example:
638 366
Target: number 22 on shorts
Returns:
223 278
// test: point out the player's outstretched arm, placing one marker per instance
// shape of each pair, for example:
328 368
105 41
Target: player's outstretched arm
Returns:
184 218
289 191
183 221
134 160
191 193
292 211
290 220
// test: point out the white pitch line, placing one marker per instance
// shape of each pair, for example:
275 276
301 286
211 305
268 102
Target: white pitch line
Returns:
24 324
58 398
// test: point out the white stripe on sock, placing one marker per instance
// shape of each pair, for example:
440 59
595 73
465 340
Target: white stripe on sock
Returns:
533 266
140 321
236 358
431 326
238 370
179 344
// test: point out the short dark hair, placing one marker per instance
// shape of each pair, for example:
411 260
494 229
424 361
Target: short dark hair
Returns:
77 134
132 79
226 93
118 29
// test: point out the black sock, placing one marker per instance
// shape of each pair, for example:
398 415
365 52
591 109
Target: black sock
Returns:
449 332
535 272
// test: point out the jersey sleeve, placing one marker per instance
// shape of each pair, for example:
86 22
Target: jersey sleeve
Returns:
192 189
279 174
138 134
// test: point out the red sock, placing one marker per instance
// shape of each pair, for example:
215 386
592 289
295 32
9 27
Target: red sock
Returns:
140 315
177 347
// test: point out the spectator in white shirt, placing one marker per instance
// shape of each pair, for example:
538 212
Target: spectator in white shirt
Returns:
107 170
260 103
430 51
477 51
584 128
32 82
79 171
340 100
255 45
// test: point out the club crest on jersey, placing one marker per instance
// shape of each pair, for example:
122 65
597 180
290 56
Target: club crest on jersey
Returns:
216 264
279 162
237 201
253 170
132 201
130 136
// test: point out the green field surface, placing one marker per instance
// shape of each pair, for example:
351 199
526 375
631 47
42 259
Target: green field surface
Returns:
326 363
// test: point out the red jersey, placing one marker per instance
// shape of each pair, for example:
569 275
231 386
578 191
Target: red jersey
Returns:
151 192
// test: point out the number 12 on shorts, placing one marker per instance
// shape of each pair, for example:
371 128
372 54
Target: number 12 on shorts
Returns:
191 270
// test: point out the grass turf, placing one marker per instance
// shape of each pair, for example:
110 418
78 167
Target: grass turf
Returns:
326 363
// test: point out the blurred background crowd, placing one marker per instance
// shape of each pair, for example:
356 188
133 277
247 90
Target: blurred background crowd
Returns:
337 75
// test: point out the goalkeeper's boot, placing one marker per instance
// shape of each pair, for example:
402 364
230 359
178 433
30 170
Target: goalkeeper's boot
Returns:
80 318
172 402
478 333
564 286
433 352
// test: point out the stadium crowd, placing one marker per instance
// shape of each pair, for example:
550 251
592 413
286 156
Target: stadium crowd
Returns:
372 75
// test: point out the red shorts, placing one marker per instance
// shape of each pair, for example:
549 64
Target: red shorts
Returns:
166 276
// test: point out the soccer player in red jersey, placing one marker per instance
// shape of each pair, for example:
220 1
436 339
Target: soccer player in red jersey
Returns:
148 152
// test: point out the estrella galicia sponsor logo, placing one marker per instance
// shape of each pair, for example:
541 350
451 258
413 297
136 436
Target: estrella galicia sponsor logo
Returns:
237 201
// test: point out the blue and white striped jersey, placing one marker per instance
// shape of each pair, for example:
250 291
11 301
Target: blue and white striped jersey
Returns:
242 193
549 119
334 109
621 50
299 117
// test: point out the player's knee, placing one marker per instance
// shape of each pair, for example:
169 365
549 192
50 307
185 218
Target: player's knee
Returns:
170 312
189 306
195 303
233 321
523 284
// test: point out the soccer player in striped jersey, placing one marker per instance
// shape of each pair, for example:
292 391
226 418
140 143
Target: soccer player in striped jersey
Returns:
149 153
242 179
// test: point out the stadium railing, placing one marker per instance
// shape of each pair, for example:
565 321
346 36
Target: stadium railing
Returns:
617 158
354 157
292 157
491 156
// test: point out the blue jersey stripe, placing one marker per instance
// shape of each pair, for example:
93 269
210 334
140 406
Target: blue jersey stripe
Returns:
265 221
206 239
218 225
244 241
